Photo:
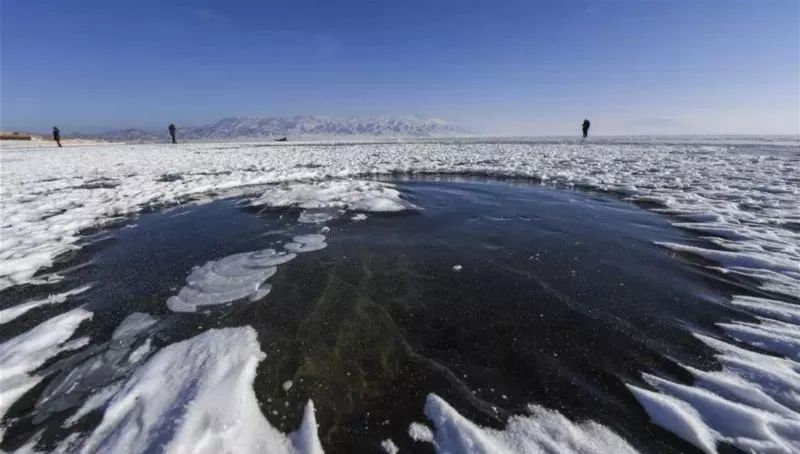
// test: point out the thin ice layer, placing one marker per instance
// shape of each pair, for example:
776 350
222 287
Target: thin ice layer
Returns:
22 355
544 431
197 396
345 194
7 315
96 367
229 279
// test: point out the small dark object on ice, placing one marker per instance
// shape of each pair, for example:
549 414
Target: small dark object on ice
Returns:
585 128
172 132
282 139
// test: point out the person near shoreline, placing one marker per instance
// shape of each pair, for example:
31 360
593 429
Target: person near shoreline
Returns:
585 127
57 136
172 132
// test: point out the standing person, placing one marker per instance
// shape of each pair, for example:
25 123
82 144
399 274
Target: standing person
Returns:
585 128
57 136
172 132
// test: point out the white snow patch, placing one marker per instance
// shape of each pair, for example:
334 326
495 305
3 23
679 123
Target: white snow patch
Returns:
21 355
287 385
457 268
544 431
357 218
420 432
140 352
346 194
229 279
7 315
181 401
95 401
389 446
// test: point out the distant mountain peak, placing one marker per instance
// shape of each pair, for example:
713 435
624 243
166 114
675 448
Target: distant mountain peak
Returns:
300 127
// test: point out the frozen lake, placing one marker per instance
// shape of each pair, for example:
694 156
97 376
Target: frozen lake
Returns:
655 309
491 294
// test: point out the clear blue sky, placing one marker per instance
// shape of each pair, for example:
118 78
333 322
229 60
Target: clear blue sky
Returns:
505 67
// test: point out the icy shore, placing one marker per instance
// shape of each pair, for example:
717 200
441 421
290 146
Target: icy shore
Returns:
745 201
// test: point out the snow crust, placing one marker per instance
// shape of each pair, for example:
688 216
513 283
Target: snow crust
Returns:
543 431
22 355
197 396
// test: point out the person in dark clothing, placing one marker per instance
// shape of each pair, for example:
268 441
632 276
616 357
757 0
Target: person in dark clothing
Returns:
585 128
57 136
172 132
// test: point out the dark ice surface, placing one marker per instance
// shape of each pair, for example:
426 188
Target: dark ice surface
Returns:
493 294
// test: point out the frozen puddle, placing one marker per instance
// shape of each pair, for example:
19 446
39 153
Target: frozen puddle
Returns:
457 316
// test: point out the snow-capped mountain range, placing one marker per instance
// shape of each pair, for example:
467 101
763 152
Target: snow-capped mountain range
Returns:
297 127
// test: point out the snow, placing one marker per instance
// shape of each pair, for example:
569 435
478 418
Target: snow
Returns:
544 431
49 195
229 279
7 315
389 447
420 432
22 355
197 396
346 194
97 367
744 201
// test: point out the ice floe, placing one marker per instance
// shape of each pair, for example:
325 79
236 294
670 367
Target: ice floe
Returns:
543 431
197 396
22 355
229 279
306 243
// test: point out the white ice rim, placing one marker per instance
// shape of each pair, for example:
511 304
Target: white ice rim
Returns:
744 202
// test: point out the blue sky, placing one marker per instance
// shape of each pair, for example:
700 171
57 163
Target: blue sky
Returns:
502 67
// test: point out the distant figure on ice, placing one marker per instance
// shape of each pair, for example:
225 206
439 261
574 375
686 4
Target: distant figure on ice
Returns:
172 132
585 128
57 136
